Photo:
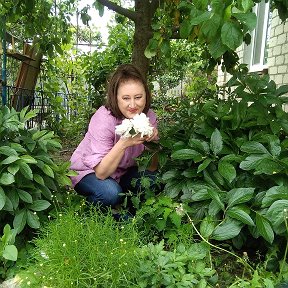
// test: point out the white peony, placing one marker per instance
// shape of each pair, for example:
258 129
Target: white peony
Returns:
131 127
142 125
124 128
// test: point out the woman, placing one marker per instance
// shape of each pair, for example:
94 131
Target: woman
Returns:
105 161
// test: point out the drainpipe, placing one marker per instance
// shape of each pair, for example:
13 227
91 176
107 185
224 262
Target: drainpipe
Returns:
4 63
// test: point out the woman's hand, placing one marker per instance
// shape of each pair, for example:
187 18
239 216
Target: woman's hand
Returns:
132 141
154 136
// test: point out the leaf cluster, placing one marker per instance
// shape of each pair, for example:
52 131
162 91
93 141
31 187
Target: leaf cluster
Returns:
29 177
230 164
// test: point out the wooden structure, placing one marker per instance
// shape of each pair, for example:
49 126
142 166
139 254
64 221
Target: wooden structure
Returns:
28 71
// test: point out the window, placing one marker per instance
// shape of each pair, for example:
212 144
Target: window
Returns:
255 54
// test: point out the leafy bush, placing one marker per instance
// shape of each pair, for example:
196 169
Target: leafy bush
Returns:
84 250
181 267
29 178
227 158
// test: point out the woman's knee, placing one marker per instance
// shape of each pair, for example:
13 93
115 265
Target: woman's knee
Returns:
98 191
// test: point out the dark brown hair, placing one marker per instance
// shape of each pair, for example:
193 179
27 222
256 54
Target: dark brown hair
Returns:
122 74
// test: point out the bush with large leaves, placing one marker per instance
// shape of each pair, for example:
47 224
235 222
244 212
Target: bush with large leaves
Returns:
228 158
29 178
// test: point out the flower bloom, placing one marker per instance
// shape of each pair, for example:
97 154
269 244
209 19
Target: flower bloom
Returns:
131 127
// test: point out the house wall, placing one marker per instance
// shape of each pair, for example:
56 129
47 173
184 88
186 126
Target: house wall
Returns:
277 59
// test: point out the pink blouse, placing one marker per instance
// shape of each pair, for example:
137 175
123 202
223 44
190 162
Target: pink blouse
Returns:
98 141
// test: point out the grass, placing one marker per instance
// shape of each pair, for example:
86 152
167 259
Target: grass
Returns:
83 250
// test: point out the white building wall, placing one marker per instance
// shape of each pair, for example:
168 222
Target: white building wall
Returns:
277 59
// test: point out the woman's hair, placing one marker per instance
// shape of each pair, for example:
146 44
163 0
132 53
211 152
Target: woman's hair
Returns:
122 74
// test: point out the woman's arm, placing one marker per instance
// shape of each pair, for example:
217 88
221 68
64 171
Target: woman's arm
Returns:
111 160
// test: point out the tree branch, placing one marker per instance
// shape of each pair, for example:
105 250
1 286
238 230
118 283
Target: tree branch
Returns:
118 9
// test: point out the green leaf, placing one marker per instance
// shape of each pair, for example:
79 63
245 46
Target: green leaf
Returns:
28 159
239 195
198 145
216 143
231 35
8 205
251 162
173 188
228 229
254 147
170 175
227 170
276 214
214 194
48 171
39 179
13 169
20 220
39 205
248 19
25 170
24 196
6 178
14 198
204 165
217 48
33 219
2 198
10 253
273 194
238 213
247 5
207 227
9 160
175 218
186 154
264 228
8 151
185 28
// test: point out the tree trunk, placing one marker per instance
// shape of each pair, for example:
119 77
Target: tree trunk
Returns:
145 10
142 16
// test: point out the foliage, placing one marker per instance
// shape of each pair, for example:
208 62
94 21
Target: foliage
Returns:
85 250
29 177
168 72
221 26
182 267
99 65
228 161
71 105
44 22
159 219
8 251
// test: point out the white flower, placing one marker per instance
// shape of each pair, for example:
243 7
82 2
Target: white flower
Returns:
131 127
141 125
124 128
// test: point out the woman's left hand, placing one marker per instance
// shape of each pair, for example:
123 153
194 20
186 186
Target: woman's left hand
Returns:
154 136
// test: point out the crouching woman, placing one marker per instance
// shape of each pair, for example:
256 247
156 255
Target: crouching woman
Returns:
104 161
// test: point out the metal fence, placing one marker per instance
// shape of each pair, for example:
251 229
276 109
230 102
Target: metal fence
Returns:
18 98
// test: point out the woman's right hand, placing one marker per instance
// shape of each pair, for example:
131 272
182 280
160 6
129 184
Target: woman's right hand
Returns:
132 141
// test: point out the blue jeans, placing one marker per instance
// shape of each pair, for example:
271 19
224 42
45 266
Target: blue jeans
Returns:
106 192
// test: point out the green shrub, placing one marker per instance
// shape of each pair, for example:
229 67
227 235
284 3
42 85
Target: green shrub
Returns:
29 178
182 267
84 250
228 160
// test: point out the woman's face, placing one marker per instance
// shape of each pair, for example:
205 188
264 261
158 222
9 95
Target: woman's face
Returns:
131 98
